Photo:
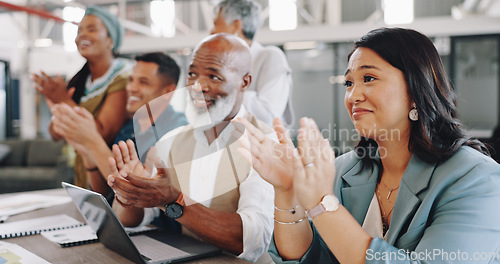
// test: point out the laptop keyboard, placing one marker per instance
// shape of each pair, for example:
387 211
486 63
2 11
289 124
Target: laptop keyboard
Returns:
156 250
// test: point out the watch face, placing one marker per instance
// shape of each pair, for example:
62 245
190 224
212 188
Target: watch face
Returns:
330 202
174 210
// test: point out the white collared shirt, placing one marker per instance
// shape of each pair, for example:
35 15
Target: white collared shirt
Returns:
255 205
270 92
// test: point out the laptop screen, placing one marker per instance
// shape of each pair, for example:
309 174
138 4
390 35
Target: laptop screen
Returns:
99 215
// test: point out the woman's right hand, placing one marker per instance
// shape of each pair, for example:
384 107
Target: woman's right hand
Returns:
54 89
272 160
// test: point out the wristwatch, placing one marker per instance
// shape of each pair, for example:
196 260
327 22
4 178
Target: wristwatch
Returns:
329 203
174 210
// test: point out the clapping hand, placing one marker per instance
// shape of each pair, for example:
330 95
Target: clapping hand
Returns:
272 160
53 88
132 181
308 171
75 124
314 167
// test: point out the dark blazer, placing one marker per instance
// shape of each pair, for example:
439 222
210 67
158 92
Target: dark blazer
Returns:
444 211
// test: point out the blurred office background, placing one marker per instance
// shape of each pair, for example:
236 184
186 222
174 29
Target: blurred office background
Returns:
316 36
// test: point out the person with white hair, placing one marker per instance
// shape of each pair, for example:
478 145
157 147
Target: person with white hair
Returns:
270 93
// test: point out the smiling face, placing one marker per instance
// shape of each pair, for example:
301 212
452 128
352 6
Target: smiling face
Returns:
92 38
216 79
376 97
144 85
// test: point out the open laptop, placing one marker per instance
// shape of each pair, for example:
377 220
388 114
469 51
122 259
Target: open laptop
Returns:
154 247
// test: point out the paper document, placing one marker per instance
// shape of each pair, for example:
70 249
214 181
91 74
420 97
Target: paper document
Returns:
34 226
12 253
28 202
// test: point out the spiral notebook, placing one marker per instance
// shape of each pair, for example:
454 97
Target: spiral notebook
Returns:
35 226
82 235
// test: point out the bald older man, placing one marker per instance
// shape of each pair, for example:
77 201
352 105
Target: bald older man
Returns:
207 186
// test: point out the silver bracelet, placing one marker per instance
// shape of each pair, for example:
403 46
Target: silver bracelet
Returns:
293 210
290 223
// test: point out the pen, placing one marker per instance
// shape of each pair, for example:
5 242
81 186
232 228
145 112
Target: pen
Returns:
3 218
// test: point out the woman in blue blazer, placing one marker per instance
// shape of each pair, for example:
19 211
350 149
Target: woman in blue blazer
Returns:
415 189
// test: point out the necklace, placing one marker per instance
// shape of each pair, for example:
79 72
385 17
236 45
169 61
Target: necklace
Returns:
390 190
385 217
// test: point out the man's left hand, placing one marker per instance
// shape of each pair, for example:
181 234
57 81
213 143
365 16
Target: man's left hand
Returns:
131 186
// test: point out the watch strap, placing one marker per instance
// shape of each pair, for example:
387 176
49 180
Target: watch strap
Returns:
329 203
180 199
316 210
175 210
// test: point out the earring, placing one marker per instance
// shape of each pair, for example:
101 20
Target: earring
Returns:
413 115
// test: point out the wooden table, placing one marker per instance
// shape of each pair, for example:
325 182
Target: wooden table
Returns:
89 253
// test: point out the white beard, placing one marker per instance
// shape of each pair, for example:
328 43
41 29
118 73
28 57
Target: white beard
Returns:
216 113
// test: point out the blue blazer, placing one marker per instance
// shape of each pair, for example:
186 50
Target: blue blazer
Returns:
445 212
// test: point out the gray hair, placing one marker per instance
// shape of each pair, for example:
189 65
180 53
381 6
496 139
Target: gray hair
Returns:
248 11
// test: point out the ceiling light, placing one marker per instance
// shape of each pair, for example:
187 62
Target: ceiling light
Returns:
282 14
398 11
163 18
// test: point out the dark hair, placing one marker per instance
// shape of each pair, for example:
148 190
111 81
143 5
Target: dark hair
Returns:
168 69
437 134
78 81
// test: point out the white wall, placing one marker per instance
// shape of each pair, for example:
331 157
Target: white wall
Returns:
54 61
